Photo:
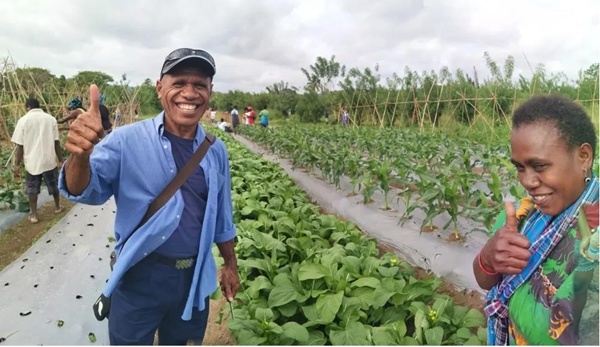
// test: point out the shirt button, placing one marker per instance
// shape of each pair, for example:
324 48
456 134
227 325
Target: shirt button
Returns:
145 254
163 237
165 146
177 216
171 171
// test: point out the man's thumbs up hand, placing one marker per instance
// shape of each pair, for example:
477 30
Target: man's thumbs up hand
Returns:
86 130
507 252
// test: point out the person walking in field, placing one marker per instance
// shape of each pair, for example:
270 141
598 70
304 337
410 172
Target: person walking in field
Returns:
251 115
213 116
38 146
165 271
264 117
235 119
345 117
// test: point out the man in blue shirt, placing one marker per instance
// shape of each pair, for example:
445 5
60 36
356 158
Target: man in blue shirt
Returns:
235 119
165 270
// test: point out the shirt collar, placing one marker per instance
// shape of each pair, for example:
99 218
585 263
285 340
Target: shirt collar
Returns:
159 127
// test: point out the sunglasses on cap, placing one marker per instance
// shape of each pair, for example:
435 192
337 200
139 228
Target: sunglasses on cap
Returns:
183 54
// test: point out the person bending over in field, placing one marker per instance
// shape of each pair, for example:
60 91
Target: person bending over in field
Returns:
74 109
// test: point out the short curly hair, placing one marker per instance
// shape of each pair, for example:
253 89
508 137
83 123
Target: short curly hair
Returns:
570 119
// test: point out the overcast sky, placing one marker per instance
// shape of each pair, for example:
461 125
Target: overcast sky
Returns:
257 43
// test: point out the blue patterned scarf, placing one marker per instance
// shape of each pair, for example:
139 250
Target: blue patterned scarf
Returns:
496 306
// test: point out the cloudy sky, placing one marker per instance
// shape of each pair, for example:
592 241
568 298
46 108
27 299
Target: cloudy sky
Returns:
257 43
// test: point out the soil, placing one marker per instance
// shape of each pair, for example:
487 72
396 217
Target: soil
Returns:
218 334
15 240
19 237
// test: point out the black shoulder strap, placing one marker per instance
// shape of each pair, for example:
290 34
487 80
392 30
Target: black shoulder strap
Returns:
179 179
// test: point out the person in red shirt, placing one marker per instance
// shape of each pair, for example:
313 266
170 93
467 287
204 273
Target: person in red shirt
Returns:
251 115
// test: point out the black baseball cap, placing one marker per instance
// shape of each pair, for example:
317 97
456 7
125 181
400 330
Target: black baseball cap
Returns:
203 58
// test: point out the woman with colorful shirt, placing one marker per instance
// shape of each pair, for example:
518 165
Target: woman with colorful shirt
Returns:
543 255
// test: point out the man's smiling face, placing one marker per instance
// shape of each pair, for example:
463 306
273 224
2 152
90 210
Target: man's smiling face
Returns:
184 94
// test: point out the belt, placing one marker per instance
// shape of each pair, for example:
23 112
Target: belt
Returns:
179 264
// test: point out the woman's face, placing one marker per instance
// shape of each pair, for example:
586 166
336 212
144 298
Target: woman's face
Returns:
552 174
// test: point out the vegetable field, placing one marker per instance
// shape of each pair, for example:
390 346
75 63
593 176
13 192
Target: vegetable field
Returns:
311 279
11 188
430 171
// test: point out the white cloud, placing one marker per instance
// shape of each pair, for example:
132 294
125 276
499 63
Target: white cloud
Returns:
262 42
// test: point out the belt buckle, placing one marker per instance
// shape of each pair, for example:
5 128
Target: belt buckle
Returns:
182 264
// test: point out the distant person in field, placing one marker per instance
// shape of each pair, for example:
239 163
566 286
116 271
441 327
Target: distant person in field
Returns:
251 115
213 115
118 117
345 117
223 125
235 119
246 113
543 256
264 118
326 115
74 109
105 115
38 145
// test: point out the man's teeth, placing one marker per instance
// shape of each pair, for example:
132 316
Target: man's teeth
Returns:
187 106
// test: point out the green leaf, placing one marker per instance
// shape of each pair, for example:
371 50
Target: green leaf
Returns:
327 306
312 271
381 297
316 338
473 318
247 210
464 333
289 309
434 336
296 331
275 328
264 314
354 335
370 282
482 334
409 341
282 293
249 338
382 336
458 314
473 341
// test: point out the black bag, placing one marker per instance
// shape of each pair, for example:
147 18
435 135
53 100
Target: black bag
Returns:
102 305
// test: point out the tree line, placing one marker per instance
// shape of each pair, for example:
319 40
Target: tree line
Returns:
412 97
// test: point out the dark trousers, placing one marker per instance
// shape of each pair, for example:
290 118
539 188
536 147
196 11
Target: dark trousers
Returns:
152 296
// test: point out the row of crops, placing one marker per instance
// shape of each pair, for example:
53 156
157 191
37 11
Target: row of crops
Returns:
11 188
430 171
311 279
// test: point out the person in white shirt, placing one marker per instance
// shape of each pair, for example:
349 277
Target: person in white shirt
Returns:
38 145
223 125
213 116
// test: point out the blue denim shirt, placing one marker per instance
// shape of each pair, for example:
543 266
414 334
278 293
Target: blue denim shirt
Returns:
134 163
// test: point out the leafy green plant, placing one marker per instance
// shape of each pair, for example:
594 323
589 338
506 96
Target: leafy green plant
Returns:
312 279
